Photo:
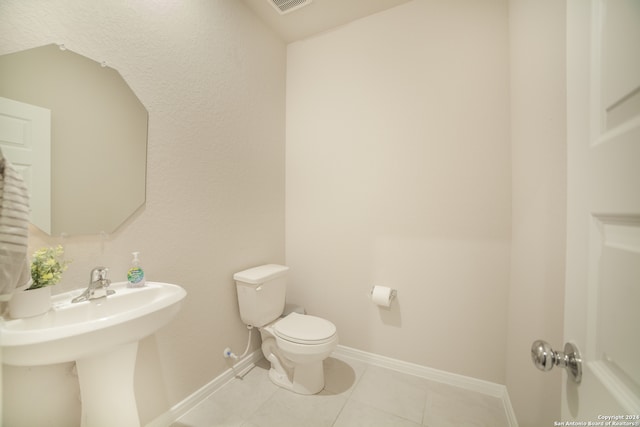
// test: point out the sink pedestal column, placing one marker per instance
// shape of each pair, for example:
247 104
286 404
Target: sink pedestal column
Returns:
106 387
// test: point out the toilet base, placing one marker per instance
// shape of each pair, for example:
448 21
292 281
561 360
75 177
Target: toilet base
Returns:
307 378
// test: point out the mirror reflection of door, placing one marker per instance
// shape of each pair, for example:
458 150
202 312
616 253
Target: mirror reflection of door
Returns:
25 140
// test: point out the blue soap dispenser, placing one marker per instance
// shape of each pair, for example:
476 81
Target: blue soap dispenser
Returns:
135 275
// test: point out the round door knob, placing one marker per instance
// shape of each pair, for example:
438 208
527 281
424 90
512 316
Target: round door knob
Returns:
543 355
545 358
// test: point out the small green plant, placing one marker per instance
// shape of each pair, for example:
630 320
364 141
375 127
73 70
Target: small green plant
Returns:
47 266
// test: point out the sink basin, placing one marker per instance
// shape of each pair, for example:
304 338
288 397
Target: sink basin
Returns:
101 336
71 331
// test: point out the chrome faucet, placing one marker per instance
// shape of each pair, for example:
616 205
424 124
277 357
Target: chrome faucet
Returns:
98 285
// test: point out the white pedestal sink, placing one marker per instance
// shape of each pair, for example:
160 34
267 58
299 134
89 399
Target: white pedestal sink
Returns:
102 336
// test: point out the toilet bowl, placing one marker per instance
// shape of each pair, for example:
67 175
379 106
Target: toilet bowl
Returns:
296 346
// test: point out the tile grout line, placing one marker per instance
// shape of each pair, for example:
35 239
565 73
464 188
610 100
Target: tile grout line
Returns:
349 397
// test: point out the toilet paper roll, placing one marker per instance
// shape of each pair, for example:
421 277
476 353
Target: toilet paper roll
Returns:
381 295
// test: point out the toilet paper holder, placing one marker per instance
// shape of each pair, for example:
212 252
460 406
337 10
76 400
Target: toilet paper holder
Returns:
392 296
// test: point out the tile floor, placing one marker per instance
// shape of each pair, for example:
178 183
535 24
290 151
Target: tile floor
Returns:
355 394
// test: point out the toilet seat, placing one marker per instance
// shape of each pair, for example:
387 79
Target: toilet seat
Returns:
304 329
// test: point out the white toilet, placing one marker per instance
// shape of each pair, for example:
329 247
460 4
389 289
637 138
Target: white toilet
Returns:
295 344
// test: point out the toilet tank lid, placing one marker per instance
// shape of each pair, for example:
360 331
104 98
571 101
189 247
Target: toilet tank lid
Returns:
261 274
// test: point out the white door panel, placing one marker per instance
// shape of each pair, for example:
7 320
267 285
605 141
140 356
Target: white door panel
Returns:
602 301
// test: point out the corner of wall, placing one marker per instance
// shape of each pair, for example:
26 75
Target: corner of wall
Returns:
538 138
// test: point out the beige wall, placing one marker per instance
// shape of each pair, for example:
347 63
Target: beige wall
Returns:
398 173
536 295
213 80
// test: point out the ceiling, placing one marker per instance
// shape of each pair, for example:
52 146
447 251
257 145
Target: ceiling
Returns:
318 16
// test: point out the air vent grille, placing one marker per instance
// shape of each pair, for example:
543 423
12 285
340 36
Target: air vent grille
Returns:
286 6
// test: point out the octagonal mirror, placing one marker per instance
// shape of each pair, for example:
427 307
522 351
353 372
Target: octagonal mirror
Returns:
78 134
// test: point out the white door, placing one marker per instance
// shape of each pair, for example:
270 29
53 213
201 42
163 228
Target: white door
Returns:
25 139
602 300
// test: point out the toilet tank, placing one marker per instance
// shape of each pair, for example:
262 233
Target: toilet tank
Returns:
261 293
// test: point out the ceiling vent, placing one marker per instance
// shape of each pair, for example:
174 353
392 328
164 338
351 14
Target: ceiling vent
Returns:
287 6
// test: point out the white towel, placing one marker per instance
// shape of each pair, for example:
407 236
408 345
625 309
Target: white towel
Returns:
14 229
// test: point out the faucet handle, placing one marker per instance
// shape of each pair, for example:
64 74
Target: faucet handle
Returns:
99 273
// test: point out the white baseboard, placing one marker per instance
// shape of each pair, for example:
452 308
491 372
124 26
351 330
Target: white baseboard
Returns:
205 391
456 380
